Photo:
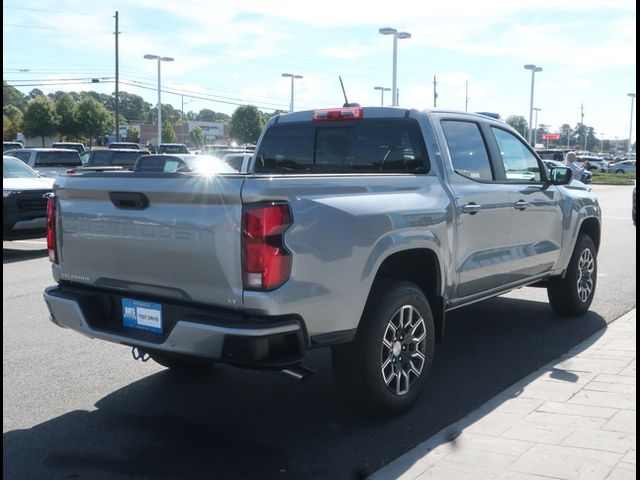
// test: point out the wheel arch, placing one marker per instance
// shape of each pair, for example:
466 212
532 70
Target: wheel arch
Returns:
422 267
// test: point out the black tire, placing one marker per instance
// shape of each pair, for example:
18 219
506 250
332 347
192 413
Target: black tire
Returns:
181 362
618 172
359 367
573 294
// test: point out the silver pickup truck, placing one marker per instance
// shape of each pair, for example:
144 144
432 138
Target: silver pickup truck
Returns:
355 228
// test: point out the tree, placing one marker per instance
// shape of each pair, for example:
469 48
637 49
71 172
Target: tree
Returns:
133 107
11 122
197 136
133 135
94 119
35 93
168 132
246 124
519 123
13 96
40 119
206 115
566 134
66 112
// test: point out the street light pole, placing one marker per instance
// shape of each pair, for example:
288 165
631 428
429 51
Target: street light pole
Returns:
382 90
160 59
293 77
633 97
396 35
535 128
533 69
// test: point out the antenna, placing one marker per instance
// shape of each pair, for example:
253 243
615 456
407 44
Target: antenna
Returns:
346 102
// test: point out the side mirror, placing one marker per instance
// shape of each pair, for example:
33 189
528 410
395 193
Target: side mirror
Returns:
560 175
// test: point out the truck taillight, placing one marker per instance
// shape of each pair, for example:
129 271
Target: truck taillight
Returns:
51 229
266 261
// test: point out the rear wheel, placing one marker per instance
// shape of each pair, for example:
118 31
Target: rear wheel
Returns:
618 172
384 369
573 294
181 362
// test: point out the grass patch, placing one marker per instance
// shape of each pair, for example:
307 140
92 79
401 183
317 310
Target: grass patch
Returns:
613 178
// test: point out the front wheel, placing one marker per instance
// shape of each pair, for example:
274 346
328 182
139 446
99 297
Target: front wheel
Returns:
620 172
573 294
385 367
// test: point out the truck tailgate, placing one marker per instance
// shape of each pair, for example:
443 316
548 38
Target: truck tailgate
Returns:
174 236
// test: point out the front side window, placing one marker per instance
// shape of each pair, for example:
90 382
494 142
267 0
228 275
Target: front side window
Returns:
24 156
520 165
467 149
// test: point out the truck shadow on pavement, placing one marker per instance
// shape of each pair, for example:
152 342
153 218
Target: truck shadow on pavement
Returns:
235 423
11 255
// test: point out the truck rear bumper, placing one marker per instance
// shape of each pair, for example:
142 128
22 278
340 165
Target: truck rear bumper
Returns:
267 344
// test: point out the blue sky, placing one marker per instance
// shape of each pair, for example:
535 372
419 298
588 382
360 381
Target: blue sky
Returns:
235 53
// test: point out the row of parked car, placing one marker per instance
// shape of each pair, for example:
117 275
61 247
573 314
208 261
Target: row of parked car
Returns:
591 162
29 174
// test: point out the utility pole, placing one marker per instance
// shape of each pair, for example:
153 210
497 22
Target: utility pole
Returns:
466 95
584 129
435 93
117 78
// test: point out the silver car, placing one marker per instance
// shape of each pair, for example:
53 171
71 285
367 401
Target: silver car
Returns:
627 166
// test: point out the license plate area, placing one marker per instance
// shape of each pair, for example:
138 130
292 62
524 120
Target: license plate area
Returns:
142 315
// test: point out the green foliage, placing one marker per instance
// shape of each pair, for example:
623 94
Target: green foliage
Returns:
35 93
197 136
40 118
11 122
206 115
66 112
613 179
519 123
133 107
12 96
133 135
94 119
246 124
168 132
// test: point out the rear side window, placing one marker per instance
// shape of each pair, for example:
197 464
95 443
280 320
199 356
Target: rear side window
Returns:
101 158
24 156
363 146
58 159
125 159
467 149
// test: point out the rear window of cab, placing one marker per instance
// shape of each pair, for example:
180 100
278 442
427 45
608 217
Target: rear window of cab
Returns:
358 146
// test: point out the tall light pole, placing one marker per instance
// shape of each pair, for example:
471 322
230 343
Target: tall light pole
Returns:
533 69
396 35
160 59
382 90
535 128
293 77
633 97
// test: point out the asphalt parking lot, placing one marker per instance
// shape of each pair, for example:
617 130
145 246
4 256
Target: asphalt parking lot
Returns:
77 408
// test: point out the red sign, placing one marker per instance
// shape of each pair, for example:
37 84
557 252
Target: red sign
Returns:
551 136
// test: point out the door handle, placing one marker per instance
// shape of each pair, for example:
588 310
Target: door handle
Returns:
471 208
521 205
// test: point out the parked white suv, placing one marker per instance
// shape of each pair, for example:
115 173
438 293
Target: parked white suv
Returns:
48 162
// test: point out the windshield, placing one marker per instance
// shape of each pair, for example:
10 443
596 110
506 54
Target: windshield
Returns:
178 148
14 168
362 146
